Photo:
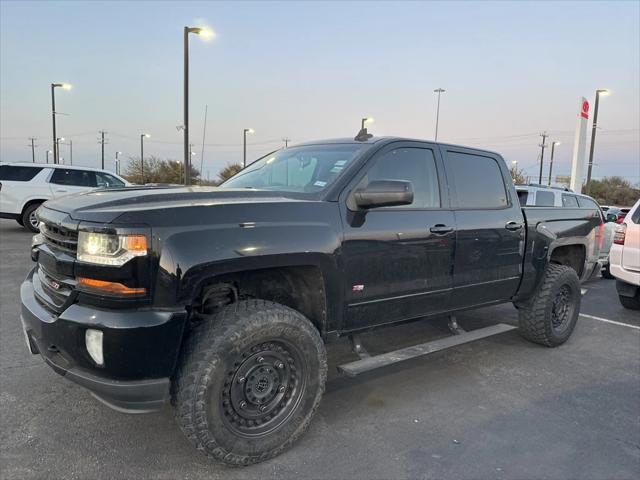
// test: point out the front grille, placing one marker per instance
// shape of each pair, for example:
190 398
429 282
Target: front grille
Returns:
53 290
60 237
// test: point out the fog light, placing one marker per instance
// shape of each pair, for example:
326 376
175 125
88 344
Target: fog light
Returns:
93 339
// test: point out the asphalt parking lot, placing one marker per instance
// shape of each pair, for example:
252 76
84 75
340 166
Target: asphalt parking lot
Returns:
497 408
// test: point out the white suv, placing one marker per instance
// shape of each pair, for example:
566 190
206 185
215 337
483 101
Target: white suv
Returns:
24 186
625 259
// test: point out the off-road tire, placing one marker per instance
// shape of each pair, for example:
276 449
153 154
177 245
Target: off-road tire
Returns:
205 380
25 217
632 303
606 273
538 314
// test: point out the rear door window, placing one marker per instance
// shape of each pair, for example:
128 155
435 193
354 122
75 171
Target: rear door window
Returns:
523 196
569 200
478 181
16 173
544 199
76 178
104 180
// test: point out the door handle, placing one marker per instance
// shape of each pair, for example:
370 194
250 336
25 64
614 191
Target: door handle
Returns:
441 229
513 226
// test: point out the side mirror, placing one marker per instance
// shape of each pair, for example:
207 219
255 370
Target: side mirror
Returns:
384 193
611 217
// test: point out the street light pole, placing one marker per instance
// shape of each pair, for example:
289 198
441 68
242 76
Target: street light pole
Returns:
364 121
118 163
142 137
187 160
65 86
553 148
244 155
53 118
593 137
439 91
47 155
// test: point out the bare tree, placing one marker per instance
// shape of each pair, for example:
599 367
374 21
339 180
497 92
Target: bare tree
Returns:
157 170
517 174
229 171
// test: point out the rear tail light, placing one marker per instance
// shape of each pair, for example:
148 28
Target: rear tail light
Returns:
618 237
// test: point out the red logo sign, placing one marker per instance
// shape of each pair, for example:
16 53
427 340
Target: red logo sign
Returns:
585 110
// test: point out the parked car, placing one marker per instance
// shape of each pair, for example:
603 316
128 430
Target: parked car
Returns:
625 259
222 298
544 196
536 195
25 186
609 232
619 212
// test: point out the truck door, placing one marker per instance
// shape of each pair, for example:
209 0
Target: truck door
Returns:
398 260
490 227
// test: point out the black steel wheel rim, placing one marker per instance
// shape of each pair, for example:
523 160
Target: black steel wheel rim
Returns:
562 308
262 388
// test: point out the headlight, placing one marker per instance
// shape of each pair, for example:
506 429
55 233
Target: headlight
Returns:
110 249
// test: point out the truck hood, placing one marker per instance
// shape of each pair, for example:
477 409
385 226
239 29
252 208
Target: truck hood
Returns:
105 206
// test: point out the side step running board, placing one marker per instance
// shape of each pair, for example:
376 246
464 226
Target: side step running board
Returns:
370 363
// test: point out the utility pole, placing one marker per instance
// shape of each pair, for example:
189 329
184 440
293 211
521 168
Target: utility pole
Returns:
286 141
543 145
33 149
101 142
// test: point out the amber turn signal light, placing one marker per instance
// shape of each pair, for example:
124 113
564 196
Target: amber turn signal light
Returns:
109 288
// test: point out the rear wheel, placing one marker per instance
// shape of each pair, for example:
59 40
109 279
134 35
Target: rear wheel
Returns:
550 316
29 219
606 273
249 382
632 303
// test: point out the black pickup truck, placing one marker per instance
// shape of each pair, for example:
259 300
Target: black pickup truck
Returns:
221 300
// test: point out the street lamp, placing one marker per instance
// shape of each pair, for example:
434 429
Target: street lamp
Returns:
439 91
142 137
118 163
365 121
553 149
599 92
244 157
205 33
64 86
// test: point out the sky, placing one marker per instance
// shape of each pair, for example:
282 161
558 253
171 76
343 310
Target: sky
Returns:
307 71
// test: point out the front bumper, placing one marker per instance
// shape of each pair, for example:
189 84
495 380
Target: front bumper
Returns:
140 349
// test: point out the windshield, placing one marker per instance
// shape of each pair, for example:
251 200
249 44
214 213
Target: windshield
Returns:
307 169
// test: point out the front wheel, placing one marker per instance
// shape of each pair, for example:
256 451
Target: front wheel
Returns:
550 316
249 381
